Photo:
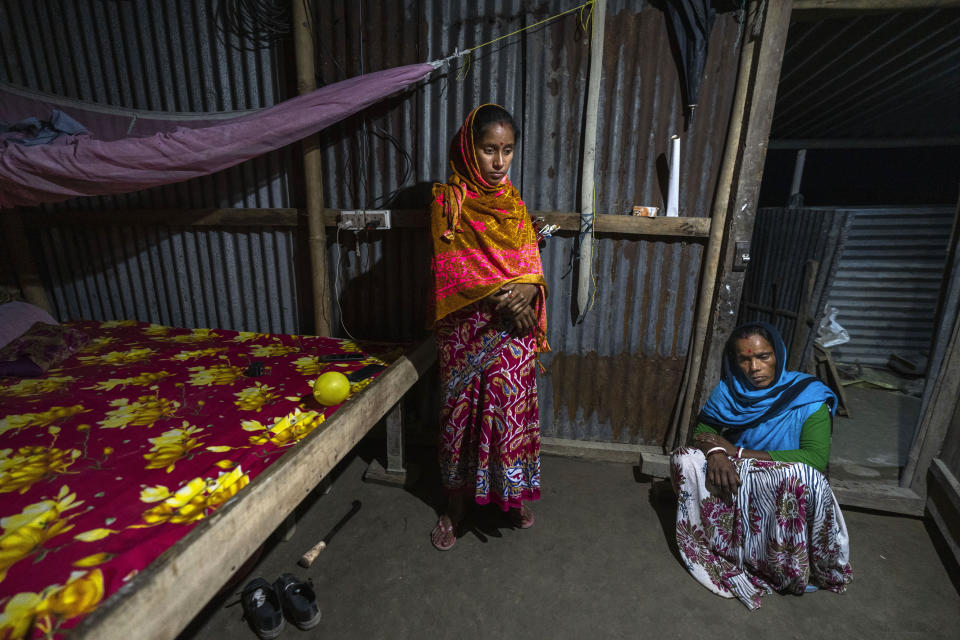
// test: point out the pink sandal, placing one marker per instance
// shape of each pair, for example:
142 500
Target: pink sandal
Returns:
442 536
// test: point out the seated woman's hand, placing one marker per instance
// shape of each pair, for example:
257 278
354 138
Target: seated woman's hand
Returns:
722 474
707 441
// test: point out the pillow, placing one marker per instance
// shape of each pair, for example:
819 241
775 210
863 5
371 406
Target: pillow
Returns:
17 317
40 348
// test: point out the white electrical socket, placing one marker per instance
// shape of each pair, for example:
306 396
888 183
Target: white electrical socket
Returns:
370 219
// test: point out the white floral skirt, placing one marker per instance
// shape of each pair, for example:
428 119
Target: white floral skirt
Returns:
782 532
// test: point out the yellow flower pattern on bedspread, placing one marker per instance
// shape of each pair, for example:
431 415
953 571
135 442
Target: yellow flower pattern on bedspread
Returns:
195 499
46 610
38 386
110 458
172 446
21 468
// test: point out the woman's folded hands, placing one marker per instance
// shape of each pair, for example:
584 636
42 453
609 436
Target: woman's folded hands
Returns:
514 303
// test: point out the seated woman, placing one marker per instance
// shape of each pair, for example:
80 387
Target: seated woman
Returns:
756 513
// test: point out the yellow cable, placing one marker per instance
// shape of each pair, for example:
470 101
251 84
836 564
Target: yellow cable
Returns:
584 24
593 254
536 24
465 68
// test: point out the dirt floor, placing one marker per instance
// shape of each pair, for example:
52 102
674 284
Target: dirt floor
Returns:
874 440
600 562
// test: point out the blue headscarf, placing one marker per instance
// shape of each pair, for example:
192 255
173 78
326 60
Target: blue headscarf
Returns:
767 419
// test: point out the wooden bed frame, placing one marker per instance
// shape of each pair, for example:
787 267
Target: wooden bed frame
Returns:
163 598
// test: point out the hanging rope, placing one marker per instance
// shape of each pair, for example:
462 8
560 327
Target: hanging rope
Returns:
457 53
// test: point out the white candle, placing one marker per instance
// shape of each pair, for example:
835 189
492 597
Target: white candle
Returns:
673 191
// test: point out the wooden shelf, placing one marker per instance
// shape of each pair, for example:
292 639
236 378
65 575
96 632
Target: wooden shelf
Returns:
568 222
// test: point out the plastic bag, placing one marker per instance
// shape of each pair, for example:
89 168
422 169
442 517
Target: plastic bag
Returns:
830 333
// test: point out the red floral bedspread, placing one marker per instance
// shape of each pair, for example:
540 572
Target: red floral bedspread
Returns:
108 460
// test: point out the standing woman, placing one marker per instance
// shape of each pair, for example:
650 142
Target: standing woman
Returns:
490 323
756 514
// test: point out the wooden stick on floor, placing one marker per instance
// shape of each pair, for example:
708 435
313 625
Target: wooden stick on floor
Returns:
308 558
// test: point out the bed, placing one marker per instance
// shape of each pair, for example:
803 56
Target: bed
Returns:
141 472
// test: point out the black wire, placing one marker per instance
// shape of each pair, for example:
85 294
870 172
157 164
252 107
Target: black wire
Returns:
257 23
407 167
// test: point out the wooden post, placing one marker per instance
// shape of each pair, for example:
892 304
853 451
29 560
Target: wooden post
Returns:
935 420
797 174
312 168
585 269
397 472
25 268
747 134
937 411
804 322
754 130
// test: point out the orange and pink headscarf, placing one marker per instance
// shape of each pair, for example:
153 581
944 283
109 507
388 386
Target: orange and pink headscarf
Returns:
483 237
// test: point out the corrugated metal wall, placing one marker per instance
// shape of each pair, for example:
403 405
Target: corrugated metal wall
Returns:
540 76
633 345
171 55
888 283
783 241
239 279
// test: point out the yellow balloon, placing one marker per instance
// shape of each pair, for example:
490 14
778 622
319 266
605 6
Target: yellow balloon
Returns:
331 388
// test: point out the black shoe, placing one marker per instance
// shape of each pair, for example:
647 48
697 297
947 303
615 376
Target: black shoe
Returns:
298 601
261 608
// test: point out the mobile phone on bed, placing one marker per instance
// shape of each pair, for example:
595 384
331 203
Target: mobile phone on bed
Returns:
365 372
341 357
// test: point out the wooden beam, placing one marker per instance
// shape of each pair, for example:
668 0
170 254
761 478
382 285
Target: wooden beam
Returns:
303 37
655 464
162 599
864 143
606 223
724 300
873 5
948 481
600 451
868 494
936 417
941 394
632 225
24 266
276 217
804 323
943 504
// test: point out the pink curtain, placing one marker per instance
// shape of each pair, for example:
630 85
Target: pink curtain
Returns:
83 165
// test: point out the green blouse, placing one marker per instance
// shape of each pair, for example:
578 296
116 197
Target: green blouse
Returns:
814 441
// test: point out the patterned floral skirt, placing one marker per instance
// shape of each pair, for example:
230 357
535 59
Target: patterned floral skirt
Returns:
783 532
489 421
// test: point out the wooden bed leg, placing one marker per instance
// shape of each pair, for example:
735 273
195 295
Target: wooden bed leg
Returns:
396 474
